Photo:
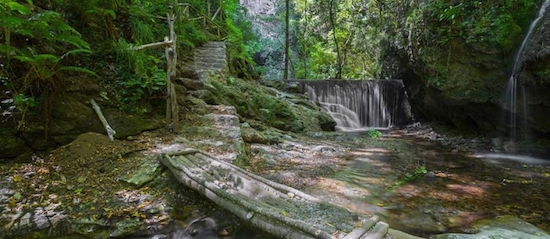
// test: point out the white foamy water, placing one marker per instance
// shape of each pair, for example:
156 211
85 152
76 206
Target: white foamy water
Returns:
495 157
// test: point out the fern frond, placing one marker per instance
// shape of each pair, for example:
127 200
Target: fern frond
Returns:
109 12
37 58
25 59
76 51
8 50
14 6
73 40
24 32
76 69
47 58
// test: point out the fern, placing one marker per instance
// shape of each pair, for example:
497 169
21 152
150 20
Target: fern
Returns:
75 51
142 31
77 69
49 58
14 6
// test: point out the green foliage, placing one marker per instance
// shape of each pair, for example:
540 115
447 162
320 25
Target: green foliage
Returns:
358 33
46 40
39 50
243 42
494 24
138 74
373 134
417 173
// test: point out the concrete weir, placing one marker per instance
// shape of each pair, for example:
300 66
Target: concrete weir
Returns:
356 104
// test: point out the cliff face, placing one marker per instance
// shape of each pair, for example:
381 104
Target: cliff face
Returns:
259 7
535 75
269 28
456 59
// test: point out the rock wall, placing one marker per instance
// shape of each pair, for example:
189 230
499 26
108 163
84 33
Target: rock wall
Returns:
463 83
71 116
270 30
259 7
535 75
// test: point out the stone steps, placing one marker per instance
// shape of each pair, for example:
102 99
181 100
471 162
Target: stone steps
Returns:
210 58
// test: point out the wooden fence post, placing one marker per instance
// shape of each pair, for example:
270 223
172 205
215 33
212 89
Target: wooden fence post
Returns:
169 44
172 111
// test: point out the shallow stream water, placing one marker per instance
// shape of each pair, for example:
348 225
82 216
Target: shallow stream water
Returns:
424 188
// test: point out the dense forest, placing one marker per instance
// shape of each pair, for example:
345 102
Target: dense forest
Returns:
47 41
246 103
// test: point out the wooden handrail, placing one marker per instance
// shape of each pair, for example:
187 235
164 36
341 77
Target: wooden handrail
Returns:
204 16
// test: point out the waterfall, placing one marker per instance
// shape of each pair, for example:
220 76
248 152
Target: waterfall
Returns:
356 104
512 88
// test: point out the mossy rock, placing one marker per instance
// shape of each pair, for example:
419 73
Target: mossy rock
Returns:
269 106
12 146
253 136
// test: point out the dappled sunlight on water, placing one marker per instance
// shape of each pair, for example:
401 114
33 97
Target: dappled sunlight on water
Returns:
457 190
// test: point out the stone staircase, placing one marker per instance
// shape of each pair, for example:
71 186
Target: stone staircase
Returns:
210 58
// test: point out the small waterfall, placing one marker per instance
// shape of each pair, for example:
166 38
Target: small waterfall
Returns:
513 89
345 119
356 104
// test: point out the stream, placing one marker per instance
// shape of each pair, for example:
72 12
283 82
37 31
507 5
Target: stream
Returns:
422 187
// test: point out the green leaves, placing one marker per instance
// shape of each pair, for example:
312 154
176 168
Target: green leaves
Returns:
14 6
417 173
48 41
489 23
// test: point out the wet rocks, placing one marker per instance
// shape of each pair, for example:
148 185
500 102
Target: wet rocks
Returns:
501 227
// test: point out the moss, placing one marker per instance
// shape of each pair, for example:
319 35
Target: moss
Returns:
243 159
12 146
251 101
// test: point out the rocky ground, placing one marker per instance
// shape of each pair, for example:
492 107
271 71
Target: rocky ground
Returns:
97 188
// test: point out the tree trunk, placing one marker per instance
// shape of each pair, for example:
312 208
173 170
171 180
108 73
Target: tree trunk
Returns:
287 39
333 25
305 39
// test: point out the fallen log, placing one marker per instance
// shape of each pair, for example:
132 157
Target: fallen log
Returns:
278 209
110 131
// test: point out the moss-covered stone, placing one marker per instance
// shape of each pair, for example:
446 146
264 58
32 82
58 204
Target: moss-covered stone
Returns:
272 107
12 146
253 136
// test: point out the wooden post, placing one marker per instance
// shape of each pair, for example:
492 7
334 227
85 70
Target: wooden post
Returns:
169 44
172 111
208 8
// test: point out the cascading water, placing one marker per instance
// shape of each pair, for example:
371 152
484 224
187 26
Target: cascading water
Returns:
356 104
513 89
